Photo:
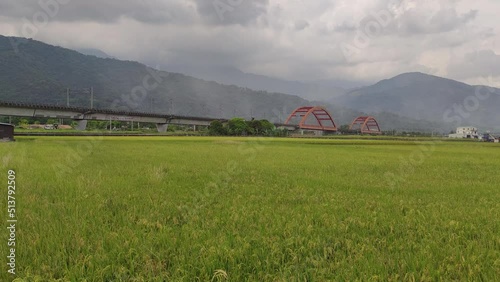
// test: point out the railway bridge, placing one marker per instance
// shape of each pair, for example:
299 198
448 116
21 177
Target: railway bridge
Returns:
83 115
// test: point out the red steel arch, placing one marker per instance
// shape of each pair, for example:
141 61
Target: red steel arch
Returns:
325 120
367 125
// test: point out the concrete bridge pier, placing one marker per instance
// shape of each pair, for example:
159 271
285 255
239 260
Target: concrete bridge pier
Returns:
162 127
82 124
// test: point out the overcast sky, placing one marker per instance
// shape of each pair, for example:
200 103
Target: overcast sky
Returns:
361 40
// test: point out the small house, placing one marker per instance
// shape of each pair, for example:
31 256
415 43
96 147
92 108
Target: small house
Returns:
6 132
465 132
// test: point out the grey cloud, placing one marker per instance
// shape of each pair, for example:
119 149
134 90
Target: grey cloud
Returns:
147 11
476 64
471 15
418 21
345 27
446 20
301 25
228 12
421 18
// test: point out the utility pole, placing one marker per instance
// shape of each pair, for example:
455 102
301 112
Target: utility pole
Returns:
91 98
67 97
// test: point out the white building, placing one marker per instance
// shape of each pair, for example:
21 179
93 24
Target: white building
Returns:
465 132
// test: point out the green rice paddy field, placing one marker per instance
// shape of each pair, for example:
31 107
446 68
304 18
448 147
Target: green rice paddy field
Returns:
242 209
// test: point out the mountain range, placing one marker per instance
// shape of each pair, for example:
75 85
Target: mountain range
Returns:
36 72
421 96
311 90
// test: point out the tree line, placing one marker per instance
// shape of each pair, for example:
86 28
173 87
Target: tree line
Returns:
242 127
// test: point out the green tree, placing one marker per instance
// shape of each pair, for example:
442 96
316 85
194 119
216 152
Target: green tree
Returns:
344 129
23 123
51 121
172 128
254 127
237 127
216 128
260 127
267 127
277 132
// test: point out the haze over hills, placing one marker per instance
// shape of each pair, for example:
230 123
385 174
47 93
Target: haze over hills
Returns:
41 73
320 90
315 90
421 96
95 52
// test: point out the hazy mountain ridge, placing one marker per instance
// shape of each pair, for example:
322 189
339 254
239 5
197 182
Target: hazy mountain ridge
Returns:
421 96
315 90
95 52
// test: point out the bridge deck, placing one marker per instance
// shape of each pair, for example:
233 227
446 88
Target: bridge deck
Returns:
85 114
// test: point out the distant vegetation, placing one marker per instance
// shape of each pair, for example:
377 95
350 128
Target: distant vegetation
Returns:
241 127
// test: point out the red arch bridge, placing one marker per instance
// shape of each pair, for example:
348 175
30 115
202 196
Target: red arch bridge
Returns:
318 119
312 118
365 125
